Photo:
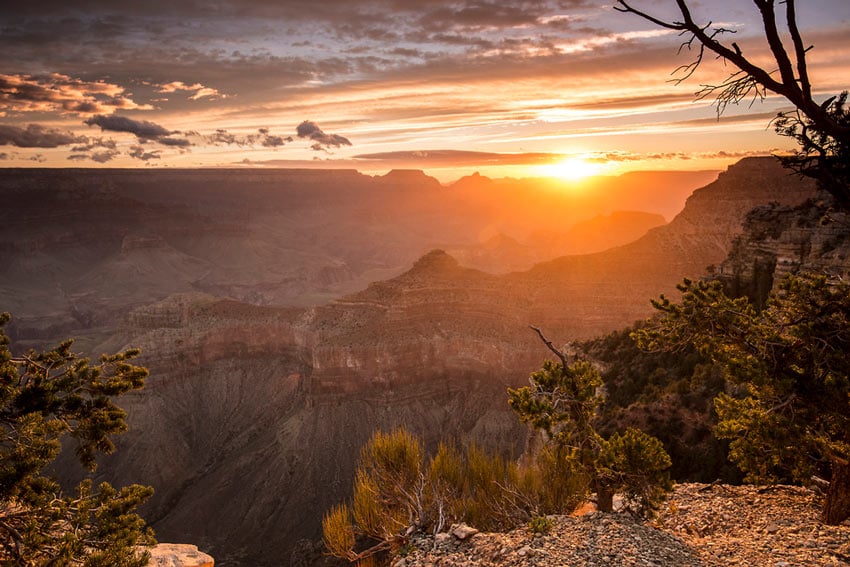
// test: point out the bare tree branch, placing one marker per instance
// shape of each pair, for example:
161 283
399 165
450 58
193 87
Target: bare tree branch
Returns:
799 48
755 80
550 346
771 32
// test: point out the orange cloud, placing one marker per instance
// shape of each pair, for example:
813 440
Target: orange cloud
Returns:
62 93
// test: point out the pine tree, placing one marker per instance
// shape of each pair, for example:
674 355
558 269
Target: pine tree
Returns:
790 416
563 401
46 397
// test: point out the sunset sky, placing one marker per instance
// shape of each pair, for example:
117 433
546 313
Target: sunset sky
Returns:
451 87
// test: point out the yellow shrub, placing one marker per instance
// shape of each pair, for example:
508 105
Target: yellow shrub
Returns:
338 532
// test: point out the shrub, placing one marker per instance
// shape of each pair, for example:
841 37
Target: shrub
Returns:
396 492
51 397
540 525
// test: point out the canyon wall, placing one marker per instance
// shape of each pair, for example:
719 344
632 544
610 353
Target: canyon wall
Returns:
779 240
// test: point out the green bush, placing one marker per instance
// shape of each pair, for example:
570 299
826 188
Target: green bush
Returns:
563 401
540 525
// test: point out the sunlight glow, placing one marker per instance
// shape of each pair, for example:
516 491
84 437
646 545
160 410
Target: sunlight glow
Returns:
571 169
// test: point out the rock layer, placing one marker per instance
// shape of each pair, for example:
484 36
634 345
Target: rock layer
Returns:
781 240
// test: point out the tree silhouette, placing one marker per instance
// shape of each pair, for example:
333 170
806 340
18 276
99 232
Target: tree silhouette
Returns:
821 129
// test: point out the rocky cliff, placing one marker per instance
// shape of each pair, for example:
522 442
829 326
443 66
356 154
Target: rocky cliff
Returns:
600 292
780 240
266 409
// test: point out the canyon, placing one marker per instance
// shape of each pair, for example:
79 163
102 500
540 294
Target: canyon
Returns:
286 315
79 248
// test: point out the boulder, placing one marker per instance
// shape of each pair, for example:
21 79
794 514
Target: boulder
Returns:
462 531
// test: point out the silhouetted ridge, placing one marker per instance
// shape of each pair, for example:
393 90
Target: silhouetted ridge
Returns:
435 260
405 177
474 181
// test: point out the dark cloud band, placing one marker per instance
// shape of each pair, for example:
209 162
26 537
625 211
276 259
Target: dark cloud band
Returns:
37 136
141 128
311 131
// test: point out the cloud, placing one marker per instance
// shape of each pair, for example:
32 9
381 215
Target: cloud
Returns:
275 141
311 130
222 137
484 14
61 93
198 90
144 130
138 152
174 142
37 136
93 143
263 137
99 157
458 158
605 157
104 156
405 72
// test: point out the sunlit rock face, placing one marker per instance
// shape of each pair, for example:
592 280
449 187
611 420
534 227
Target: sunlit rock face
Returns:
179 555
600 292
780 240
254 415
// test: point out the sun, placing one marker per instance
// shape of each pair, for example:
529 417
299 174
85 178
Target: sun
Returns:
571 169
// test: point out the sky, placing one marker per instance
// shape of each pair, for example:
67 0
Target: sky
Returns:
523 89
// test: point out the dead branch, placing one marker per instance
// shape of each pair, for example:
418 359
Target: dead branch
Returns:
795 87
550 346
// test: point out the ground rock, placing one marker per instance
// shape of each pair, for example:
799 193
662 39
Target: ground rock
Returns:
179 555
698 526
462 531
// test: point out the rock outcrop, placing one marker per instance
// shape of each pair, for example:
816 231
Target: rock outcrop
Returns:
781 240
179 555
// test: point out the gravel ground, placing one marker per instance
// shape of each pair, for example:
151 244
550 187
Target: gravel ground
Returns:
699 525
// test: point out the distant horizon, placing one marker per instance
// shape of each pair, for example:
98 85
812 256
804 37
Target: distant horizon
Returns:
440 176
568 88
